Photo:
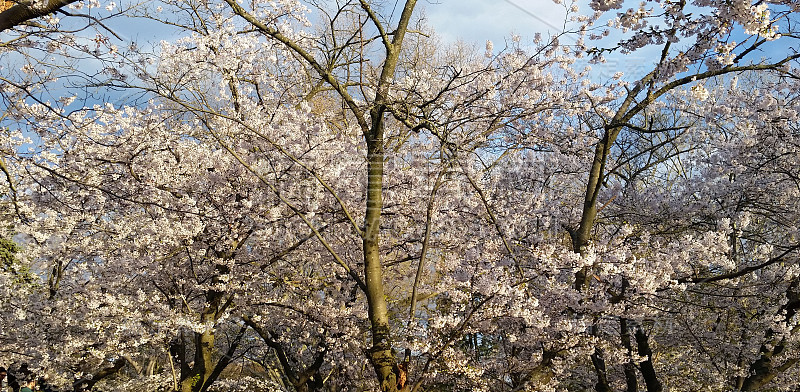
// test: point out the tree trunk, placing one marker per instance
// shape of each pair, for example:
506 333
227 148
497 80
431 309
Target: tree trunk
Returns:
763 370
204 342
204 346
631 381
380 354
582 236
600 368
648 371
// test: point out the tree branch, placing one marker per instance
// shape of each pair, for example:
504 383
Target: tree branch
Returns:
21 13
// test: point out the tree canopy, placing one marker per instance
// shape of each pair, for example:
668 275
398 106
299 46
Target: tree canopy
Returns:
322 196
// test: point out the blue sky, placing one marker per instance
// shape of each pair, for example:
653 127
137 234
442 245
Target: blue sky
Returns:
480 20
470 20
473 21
477 21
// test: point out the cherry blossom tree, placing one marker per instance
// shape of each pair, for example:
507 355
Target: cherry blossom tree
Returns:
696 50
317 196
